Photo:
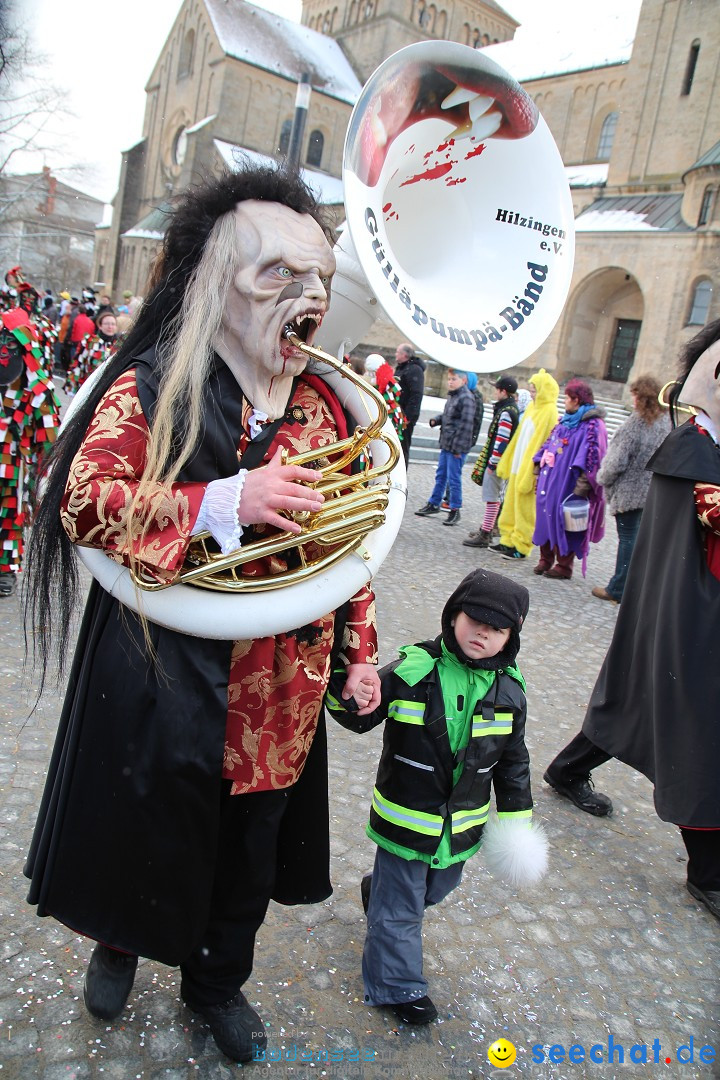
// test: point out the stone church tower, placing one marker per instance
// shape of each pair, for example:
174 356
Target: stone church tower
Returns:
641 140
368 31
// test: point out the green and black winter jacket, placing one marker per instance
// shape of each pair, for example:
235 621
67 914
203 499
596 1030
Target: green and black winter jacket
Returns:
451 732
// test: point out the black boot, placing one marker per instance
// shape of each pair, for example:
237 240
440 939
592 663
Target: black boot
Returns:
482 540
453 518
427 509
236 1028
579 790
108 982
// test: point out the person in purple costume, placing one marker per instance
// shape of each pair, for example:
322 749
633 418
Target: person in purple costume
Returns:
567 464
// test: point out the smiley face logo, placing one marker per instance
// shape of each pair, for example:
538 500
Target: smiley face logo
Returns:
501 1054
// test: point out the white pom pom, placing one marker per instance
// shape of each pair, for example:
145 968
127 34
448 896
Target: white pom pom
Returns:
515 851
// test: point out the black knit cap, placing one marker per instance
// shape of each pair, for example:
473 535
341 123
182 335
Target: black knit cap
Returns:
493 599
507 383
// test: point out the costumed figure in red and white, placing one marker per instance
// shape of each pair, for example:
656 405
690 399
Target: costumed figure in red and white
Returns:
654 705
28 298
94 350
29 418
382 375
203 761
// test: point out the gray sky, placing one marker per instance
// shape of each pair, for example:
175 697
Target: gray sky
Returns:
101 55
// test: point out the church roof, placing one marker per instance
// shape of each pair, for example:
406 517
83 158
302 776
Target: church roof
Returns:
152 226
327 189
633 213
286 48
600 39
710 157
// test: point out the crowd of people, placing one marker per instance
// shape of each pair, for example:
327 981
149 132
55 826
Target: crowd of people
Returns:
204 759
42 340
547 479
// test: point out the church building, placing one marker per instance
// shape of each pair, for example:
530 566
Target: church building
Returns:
638 128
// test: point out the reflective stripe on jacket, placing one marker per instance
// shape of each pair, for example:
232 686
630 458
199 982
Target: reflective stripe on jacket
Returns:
415 795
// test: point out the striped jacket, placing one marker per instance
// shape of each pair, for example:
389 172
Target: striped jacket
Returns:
419 786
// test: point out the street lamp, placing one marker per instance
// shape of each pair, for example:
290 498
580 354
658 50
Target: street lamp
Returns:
302 103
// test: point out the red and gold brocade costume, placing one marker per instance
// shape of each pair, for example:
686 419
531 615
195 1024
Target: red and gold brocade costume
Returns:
275 685
707 502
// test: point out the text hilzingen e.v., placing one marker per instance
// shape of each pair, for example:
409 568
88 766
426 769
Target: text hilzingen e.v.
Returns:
514 217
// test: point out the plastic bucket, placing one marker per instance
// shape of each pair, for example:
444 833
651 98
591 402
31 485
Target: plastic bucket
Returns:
576 513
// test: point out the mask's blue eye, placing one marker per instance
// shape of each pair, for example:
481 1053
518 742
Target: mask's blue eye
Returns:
283 271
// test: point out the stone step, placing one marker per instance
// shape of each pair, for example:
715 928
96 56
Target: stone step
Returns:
425 449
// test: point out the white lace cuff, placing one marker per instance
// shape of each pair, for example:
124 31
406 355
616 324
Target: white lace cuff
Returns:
219 511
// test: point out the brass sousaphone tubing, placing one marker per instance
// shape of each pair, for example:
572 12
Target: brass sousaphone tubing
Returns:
354 505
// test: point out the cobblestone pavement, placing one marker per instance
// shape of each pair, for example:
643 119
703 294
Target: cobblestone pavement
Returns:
610 947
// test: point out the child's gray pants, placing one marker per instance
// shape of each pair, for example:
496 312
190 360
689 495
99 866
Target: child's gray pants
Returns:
392 958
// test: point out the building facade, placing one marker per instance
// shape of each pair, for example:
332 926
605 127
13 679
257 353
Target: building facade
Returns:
47 228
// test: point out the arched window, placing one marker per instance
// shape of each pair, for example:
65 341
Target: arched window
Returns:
285 132
368 9
186 54
316 143
441 26
700 303
607 136
690 68
705 206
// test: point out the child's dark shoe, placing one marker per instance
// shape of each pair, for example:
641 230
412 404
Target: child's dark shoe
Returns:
420 1011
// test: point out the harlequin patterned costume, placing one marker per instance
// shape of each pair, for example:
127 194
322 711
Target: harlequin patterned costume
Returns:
94 350
29 418
389 387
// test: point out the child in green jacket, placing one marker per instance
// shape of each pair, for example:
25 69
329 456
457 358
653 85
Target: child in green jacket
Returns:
454 711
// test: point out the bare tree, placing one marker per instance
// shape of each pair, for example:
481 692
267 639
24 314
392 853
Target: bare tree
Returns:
30 108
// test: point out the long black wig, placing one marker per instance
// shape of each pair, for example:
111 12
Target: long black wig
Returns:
52 582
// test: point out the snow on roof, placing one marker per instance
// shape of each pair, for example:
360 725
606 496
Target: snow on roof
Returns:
586 39
143 234
286 48
587 175
200 124
633 213
328 189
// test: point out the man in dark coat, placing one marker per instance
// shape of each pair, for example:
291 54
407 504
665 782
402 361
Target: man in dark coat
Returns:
188 774
654 705
410 373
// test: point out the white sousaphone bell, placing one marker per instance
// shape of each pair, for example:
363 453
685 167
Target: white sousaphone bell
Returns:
460 228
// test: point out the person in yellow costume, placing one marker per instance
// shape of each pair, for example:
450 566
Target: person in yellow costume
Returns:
517 518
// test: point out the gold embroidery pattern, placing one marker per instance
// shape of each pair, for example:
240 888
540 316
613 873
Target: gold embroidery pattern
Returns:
707 501
103 479
277 685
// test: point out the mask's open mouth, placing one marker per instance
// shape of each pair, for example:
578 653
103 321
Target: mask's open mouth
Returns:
304 326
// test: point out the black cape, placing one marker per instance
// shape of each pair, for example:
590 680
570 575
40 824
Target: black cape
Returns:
655 703
125 845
